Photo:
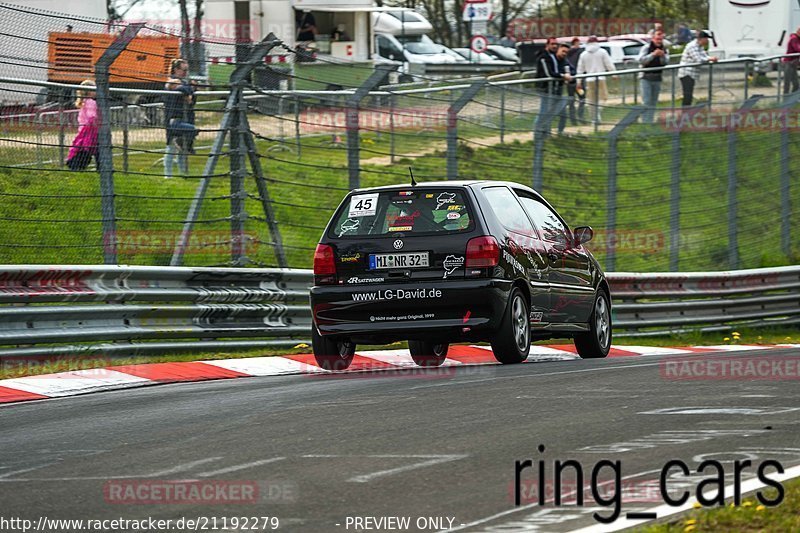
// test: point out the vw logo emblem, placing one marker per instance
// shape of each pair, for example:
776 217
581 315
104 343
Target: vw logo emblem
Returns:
398 244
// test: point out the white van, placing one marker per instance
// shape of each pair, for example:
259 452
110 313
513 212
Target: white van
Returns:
402 36
752 28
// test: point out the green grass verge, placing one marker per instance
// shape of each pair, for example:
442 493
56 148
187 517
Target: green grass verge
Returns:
52 216
751 516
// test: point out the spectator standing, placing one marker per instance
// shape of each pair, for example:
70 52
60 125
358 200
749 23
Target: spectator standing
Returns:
790 64
695 52
565 76
84 146
179 118
306 26
652 55
594 60
575 88
547 67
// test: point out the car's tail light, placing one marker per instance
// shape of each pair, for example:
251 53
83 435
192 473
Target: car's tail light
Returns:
482 252
324 264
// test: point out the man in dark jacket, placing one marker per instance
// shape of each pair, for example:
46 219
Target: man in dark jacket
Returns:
651 56
179 118
575 87
555 66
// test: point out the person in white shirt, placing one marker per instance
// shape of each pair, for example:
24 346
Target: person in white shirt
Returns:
594 60
695 52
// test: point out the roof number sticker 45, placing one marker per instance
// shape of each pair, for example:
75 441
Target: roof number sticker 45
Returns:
363 205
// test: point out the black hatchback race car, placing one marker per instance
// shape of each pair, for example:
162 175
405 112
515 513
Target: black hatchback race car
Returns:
457 261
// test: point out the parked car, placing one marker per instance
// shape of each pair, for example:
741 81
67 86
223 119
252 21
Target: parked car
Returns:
457 261
505 53
483 58
623 53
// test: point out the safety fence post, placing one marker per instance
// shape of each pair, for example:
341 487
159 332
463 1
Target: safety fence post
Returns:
611 195
352 118
541 130
452 126
675 203
733 185
104 142
227 125
786 206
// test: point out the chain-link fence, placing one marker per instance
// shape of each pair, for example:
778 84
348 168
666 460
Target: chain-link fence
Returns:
707 187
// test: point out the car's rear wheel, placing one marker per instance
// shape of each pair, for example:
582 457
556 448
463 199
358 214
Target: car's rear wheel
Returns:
426 353
596 343
512 342
332 353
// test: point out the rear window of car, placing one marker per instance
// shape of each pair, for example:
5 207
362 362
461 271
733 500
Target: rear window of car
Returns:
414 211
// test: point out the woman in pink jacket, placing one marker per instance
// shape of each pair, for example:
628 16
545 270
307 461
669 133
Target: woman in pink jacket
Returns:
84 146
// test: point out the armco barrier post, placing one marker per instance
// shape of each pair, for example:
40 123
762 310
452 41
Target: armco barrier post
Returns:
351 120
104 144
452 126
611 199
733 202
238 76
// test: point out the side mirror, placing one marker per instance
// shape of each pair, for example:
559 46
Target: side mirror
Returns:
582 234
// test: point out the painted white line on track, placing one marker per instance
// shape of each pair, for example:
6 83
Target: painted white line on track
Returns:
236 468
23 470
166 472
665 510
435 460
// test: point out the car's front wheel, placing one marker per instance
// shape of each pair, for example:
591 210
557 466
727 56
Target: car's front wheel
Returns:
596 343
512 342
426 353
332 353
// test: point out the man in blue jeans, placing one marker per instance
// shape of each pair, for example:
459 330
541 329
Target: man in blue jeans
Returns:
652 55
179 118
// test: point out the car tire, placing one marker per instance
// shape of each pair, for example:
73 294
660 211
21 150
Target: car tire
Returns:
332 353
596 343
512 342
426 353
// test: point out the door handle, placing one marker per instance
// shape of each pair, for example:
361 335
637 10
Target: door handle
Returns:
552 256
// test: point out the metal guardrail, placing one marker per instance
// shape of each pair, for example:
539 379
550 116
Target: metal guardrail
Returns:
124 310
61 306
652 304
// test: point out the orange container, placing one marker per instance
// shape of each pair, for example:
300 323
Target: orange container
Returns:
145 63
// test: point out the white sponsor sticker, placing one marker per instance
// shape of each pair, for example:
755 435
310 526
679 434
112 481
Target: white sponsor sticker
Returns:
452 215
451 263
363 205
445 198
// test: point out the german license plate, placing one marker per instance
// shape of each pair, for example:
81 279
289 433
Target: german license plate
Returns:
403 260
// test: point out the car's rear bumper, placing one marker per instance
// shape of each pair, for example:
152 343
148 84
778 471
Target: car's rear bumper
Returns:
447 309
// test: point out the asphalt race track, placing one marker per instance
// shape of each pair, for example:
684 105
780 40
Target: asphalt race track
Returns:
431 444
